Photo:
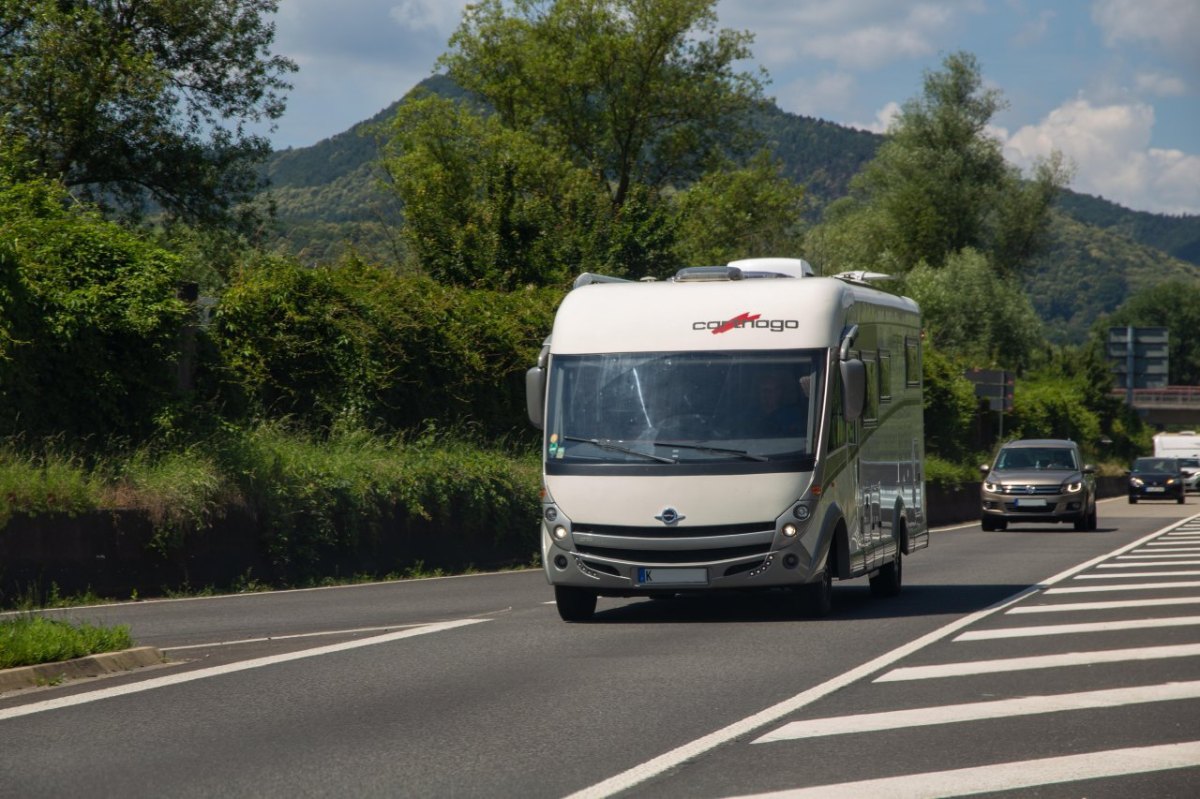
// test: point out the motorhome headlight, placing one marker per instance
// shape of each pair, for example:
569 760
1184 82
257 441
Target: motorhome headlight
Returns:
550 514
1072 486
560 533
790 530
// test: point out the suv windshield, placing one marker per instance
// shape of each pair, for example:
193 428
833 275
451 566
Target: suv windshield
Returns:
684 407
1058 458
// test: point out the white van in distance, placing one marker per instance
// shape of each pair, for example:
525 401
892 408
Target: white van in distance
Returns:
749 426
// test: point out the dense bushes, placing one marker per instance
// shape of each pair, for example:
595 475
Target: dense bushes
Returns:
359 343
89 320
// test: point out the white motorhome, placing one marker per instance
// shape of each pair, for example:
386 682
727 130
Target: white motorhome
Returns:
1186 447
737 427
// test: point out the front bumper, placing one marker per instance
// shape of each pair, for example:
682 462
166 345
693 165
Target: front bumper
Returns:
758 560
1059 507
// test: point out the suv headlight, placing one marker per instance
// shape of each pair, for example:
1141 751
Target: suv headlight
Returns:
1072 486
1136 482
993 488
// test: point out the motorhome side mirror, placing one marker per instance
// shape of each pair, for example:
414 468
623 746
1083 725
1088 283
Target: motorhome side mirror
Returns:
535 395
854 388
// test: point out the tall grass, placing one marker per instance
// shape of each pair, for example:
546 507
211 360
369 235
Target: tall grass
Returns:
28 640
45 481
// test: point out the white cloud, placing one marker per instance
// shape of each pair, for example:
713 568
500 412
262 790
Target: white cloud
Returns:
434 15
884 118
854 34
1160 85
1035 30
1109 147
1167 25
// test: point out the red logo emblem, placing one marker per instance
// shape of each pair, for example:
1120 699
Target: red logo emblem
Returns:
736 321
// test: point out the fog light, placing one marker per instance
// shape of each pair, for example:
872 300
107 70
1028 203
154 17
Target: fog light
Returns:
790 530
560 532
560 561
801 512
551 514
790 560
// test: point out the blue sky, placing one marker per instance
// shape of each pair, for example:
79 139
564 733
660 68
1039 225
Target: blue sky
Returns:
1112 84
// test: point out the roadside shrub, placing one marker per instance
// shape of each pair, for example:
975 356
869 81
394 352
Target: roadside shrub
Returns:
361 344
89 320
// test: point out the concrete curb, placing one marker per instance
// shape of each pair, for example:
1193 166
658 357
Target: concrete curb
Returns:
90 666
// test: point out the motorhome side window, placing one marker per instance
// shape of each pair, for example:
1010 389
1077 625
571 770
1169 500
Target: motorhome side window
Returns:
837 418
912 361
885 377
871 411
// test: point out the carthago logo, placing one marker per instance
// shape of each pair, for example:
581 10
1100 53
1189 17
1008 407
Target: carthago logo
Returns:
747 320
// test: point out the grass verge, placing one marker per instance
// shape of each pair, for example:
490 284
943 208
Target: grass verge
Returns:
30 640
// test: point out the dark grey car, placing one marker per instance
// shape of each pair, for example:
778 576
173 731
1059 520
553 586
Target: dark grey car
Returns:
1038 480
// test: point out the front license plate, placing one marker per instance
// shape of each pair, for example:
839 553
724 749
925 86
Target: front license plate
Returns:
1156 490
1031 503
656 576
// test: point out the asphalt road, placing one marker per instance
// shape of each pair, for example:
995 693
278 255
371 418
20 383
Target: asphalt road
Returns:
472 686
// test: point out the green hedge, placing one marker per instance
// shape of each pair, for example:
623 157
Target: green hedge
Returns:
354 342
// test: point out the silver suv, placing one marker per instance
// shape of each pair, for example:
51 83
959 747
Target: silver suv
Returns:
1038 480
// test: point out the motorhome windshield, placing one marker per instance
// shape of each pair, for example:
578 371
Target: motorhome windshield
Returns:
680 408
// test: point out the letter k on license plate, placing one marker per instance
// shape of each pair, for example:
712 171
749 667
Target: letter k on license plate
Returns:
665 577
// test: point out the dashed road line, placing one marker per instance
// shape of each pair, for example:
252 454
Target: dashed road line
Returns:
1115 605
1008 776
1070 629
1125 587
981 711
999 665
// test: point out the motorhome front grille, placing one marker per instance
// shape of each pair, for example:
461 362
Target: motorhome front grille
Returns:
651 556
662 531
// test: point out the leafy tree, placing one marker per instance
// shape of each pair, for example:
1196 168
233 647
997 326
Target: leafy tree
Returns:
126 101
740 213
940 184
633 91
986 319
485 205
950 406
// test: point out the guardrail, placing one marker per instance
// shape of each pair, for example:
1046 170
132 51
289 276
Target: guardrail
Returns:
1169 397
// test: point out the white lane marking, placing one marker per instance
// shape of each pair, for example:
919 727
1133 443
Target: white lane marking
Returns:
1115 605
669 760
1007 776
978 711
216 671
1068 629
240 641
1175 542
1126 575
1144 564
1126 587
1152 555
1000 665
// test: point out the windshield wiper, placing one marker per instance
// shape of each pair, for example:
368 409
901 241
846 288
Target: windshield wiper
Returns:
741 453
608 444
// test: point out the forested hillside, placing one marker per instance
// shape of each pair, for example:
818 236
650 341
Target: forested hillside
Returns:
330 200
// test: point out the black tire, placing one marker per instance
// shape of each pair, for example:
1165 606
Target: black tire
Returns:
816 599
1132 500
1001 525
889 581
987 524
574 604
1093 522
1182 498
1081 524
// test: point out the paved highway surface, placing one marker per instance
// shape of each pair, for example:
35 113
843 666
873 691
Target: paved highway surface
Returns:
1034 662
